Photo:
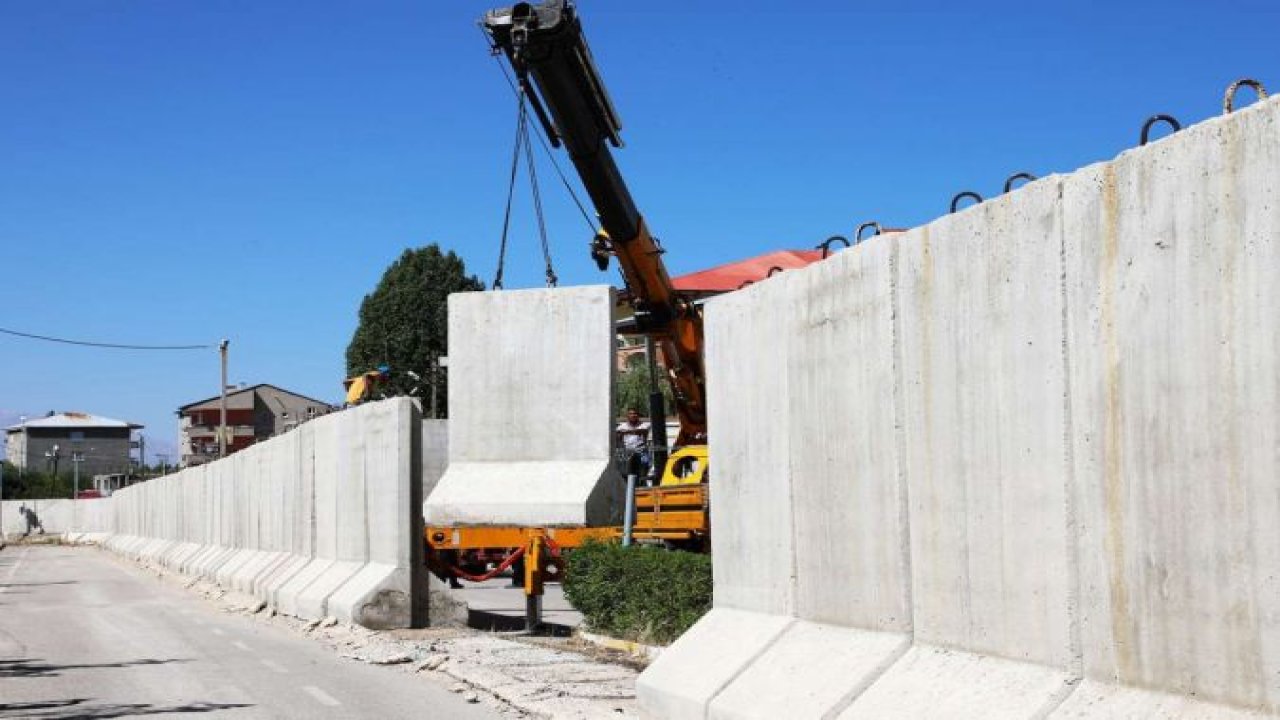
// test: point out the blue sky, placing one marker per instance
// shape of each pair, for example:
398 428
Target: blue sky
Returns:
178 172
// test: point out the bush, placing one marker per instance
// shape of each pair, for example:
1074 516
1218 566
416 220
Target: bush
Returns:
639 593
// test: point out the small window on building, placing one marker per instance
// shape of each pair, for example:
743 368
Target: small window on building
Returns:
311 412
76 435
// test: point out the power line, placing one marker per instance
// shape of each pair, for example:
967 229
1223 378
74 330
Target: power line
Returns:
115 346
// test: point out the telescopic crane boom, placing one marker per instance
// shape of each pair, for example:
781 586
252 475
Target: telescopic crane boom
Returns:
558 78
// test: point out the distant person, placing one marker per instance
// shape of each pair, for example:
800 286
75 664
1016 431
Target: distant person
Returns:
32 520
633 438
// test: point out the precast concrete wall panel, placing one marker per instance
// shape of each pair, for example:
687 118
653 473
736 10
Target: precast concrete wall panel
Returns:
1173 267
1062 405
530 410
746 345
846 485
352 492
982 409
747 335
847 503
435 453
324 520
808 484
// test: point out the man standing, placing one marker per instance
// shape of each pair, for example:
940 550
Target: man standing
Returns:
32 520
633 438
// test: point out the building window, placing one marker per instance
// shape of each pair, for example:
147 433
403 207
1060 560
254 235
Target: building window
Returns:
76 435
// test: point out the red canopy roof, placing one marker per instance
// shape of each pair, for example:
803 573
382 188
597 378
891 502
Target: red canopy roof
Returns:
729 277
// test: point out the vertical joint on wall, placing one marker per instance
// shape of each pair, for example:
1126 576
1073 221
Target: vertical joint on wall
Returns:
900 440
1076 667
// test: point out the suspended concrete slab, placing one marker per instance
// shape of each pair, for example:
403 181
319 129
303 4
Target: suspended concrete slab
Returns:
530 410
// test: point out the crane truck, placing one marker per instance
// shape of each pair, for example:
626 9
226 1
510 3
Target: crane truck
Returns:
554 71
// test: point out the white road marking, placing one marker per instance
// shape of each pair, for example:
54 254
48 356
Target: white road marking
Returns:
217 631
242 646
273 665
321 696
13 569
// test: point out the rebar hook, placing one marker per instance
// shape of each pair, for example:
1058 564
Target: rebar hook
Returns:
857 234
955 201
1146 127
825 245
1008 184
1229 99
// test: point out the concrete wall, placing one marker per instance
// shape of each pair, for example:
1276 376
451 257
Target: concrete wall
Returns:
59 516
435 453
530 410
1029 467
321 521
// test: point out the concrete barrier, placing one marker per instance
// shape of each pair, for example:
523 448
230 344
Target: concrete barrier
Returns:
1017 463
79 520
322 521
530 410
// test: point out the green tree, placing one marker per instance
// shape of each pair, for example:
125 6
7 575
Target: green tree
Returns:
32 483
404 322
633 387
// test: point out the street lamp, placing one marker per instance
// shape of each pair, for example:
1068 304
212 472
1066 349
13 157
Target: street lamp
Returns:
52 457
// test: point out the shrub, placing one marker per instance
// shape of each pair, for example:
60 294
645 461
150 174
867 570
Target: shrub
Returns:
640 593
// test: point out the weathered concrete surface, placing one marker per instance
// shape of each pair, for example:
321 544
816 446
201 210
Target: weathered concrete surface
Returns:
1173 285
322 521
530 410
982 387
817 504
1020 462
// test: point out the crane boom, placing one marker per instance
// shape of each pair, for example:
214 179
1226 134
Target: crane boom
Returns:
545 46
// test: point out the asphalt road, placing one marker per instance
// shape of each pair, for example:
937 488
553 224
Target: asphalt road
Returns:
83 635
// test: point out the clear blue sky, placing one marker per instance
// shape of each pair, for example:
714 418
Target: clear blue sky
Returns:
186 171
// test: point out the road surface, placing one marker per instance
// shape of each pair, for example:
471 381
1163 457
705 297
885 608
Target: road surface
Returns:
83 635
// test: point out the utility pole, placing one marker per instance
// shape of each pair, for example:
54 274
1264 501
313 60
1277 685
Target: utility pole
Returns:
657 412
222 403
76 459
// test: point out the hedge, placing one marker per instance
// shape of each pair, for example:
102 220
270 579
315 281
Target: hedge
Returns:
640 593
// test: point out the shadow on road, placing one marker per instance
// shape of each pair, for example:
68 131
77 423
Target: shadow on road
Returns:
77 708
26 667
490 621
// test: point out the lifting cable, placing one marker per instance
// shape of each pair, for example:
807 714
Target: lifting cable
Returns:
537 198
542 140
523 143
511 186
